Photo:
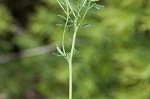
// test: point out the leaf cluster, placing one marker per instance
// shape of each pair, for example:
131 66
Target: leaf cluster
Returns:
75 13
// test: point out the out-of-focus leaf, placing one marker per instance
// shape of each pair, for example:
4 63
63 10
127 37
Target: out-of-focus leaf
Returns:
5 20
42 22
26 41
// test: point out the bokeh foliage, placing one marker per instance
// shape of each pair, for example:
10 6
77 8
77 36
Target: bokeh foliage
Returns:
113 60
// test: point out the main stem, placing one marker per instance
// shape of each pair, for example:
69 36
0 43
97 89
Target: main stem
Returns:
70 79
70 60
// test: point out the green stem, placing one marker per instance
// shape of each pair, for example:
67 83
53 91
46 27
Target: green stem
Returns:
70 79
65 29
70 59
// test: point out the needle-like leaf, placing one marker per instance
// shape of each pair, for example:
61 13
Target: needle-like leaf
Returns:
59 50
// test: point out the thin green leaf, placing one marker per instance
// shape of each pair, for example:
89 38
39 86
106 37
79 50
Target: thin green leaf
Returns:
85 25
60 24
59 50
76 52
69 25
94 0
57 54
62 17
98 7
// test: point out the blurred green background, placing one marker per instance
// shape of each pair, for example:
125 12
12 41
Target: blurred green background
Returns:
113 60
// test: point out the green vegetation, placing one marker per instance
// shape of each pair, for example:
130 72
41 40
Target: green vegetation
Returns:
113 60
75 14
